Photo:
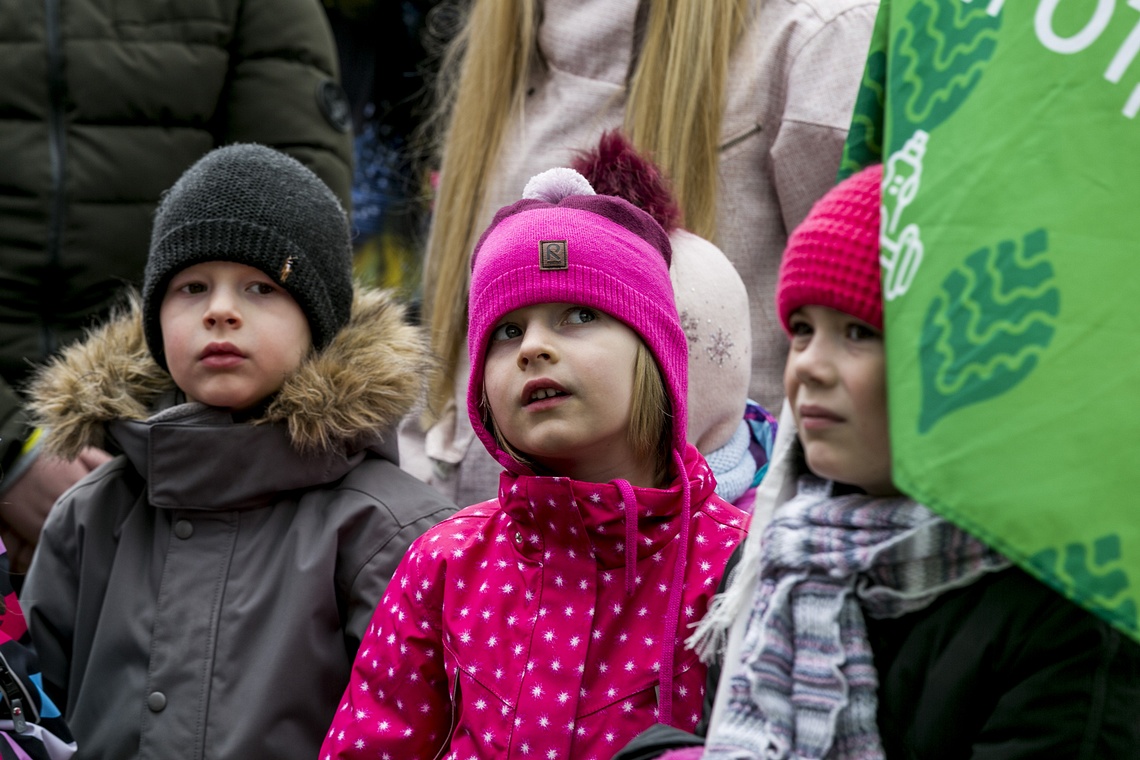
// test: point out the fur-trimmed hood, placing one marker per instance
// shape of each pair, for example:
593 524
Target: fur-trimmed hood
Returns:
340 399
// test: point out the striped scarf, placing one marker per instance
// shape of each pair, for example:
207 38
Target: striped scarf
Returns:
805 685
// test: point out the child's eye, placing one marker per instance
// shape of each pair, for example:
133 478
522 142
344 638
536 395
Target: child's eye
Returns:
580 315
800 327
192 288
262 288
860 331
506 332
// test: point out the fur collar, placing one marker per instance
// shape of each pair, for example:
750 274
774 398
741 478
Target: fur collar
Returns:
360 386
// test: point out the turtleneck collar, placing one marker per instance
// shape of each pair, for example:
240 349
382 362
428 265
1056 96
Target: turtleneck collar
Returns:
591 516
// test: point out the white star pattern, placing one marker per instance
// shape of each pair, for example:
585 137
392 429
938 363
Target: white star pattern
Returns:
539 600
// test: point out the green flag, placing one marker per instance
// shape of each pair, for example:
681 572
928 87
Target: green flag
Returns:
1010 140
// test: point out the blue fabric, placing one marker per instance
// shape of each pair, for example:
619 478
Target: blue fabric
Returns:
733 465
47 707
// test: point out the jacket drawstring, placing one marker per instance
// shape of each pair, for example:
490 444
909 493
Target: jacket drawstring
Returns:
673 612
631 534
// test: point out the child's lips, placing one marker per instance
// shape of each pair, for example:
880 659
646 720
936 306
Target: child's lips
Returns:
542 393
221 355
814 417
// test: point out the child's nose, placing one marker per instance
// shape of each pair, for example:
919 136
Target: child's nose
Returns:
221 309
813 363
536 345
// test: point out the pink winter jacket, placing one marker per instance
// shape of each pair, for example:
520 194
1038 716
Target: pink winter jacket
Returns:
507 630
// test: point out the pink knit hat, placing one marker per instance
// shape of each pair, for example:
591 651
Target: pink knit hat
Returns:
564 243
832 258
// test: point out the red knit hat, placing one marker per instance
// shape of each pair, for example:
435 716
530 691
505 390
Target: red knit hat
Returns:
832 258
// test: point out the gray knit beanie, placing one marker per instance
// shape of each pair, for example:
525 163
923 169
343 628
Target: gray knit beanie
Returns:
256 206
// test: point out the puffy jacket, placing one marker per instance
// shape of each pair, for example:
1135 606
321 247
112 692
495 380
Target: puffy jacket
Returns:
204 593
105 103
507 632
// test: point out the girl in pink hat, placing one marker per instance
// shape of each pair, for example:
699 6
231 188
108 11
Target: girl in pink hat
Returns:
547 623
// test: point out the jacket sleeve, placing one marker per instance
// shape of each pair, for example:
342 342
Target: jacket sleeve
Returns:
13 429
383 548
1069 686
822 82
398 702
50 598
284 89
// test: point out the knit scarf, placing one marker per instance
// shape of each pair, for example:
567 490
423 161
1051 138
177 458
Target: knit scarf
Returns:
805 685
733 464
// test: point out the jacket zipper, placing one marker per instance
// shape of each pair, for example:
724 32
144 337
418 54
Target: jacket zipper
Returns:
17 698
57 145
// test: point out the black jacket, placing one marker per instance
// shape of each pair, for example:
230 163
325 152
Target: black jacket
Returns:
1002 669
104 104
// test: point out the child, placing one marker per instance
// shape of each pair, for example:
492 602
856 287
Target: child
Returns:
545 623
205 592
862 625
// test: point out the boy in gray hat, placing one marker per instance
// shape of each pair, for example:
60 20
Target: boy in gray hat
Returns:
205 592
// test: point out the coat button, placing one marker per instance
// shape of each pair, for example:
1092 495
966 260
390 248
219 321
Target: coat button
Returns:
183 529
156 701
518 537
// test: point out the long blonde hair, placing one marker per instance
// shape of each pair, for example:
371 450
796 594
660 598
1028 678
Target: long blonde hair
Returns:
673 114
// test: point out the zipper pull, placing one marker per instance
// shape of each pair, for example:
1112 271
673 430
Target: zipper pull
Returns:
18 716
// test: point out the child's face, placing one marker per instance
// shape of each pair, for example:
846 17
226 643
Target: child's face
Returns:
559 381
231 334
835 380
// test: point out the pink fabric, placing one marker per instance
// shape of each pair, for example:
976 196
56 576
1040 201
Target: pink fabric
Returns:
688 753
19 753
617 262
832 258
507 631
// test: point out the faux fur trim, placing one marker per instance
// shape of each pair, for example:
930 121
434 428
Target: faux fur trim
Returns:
359 387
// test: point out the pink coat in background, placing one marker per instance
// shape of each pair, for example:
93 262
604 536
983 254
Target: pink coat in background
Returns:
507 631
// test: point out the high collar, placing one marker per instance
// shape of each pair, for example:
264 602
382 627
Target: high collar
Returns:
194 456
591 517
342 400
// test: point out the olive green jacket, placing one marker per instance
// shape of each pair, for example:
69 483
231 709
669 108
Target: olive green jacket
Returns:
104 104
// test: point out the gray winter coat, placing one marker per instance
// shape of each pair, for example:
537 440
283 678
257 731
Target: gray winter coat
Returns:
204 593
